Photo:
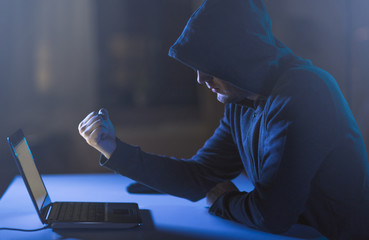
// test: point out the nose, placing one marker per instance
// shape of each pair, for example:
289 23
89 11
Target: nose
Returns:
203 78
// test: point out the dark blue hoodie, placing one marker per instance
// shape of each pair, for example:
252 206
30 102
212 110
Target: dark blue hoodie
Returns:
299 145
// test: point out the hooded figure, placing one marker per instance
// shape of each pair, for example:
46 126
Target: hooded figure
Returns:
298 141
300 145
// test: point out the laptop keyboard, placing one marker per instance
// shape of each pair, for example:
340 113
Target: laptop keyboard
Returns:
77 212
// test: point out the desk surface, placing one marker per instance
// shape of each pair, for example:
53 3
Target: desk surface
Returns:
164 216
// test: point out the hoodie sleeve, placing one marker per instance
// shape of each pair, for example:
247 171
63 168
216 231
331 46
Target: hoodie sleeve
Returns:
298 137
187 178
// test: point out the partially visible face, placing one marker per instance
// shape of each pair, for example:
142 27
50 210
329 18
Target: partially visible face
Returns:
226 92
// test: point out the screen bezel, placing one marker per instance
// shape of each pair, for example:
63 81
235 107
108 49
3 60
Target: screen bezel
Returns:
13 141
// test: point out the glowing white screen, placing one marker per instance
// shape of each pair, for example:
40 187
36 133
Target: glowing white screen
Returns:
27 163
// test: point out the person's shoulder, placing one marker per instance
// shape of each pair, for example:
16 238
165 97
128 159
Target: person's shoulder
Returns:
306 74
302 80
304 89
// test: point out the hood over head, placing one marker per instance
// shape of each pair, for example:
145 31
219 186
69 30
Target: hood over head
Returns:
233 40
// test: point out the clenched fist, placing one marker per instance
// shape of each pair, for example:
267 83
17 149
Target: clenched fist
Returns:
98 131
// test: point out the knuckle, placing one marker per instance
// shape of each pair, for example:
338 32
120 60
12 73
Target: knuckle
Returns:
85 134
82 130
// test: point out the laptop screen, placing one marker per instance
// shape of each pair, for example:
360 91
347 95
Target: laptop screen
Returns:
31 173
27 167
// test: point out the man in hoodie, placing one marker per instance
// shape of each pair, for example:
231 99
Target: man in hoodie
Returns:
285 123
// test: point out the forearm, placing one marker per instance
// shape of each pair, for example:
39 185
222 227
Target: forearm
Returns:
182 178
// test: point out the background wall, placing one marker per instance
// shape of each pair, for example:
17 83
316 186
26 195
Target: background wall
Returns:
59 60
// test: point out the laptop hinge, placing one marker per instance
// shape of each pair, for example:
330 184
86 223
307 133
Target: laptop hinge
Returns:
46 212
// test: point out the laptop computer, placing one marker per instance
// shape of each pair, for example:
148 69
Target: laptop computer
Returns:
66 215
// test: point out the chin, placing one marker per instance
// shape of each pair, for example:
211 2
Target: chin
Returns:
224 99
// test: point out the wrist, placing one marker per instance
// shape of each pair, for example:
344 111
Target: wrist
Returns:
108 150
106 154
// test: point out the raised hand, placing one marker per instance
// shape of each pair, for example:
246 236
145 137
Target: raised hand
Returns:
98 131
